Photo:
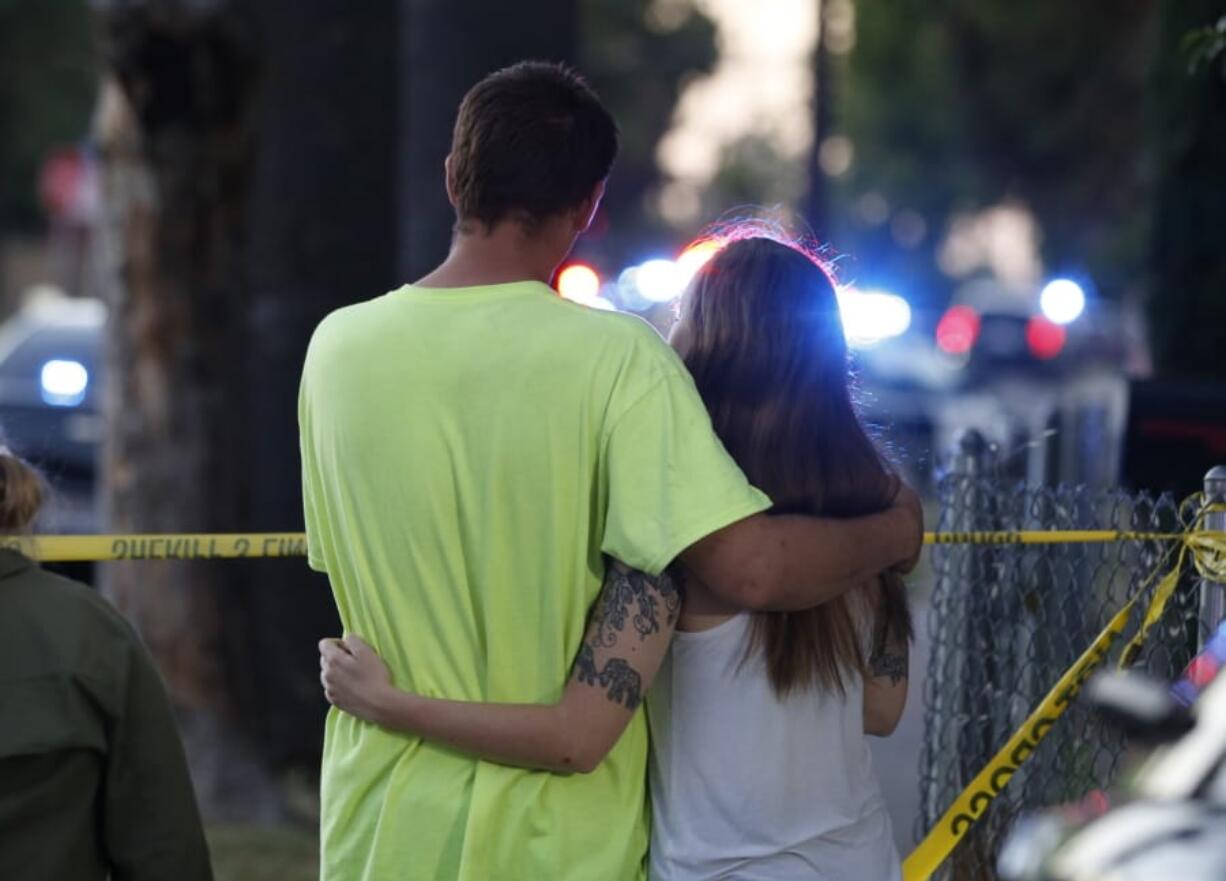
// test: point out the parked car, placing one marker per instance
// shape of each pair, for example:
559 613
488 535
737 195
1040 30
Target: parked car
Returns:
990 329
50 361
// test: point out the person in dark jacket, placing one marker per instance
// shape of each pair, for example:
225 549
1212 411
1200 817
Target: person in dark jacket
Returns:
93 779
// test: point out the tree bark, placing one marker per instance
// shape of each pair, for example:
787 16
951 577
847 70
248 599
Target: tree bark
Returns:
263 164
175 134
322 233
446 47
817 201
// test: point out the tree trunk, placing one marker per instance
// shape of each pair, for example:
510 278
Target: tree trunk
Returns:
322 235
240 210
175 134
817 201
446 46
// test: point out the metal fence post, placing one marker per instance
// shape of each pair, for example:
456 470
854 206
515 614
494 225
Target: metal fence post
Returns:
974 456
1213 593
957 723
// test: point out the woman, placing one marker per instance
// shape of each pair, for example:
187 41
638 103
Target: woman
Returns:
93 781
759 764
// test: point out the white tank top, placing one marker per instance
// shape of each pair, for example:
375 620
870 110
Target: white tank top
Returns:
745 787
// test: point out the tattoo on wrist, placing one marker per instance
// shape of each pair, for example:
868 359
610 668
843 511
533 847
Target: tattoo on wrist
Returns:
890 662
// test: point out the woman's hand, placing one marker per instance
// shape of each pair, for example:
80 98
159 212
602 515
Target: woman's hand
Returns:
354 678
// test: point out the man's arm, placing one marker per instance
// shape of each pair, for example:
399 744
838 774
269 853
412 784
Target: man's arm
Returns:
625 642
794 562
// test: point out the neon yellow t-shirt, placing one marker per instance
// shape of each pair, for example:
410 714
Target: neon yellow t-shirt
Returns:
468 454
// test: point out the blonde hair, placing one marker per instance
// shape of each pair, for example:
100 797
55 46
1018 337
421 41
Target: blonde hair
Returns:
21 492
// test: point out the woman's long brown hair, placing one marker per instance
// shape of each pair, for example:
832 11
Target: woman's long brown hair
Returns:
761 334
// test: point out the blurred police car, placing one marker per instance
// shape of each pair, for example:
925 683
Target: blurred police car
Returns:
50 354
990 329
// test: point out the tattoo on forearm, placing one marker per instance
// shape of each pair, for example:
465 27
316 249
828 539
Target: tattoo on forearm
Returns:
627 596
890 656
889 661
622 682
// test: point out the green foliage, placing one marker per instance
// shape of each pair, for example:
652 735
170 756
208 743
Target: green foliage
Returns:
751 173
1188 272
1203 46
48 79
960 104
638 54
897 97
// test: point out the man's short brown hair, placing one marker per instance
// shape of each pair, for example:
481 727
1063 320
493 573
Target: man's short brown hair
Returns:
530 142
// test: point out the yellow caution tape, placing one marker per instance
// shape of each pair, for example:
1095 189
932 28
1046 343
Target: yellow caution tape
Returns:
1208 551
973 801
155 546
238 545
1046 537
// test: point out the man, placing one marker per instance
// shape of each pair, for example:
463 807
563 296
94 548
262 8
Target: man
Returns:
472 445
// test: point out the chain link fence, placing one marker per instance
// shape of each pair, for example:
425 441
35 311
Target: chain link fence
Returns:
1008 620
